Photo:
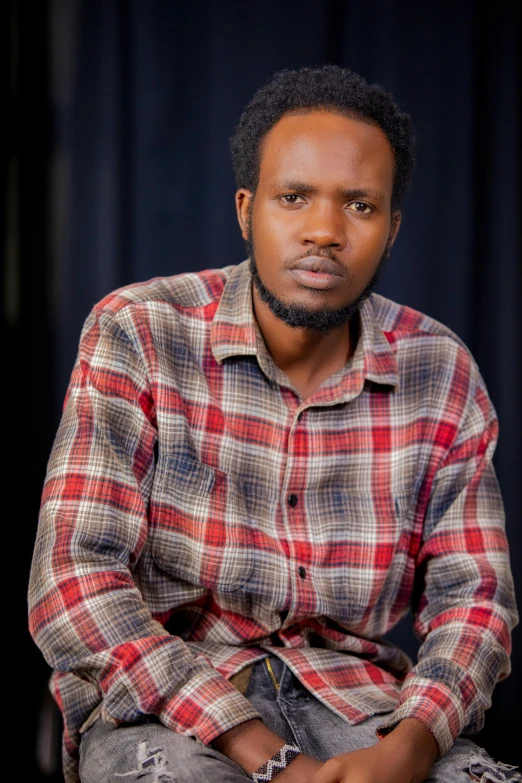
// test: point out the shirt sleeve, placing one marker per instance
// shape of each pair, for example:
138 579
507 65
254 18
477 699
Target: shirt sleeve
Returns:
466 607
86 613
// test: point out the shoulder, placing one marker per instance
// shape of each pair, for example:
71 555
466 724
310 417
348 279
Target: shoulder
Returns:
401 323
430 356
416 336
177 293
155 312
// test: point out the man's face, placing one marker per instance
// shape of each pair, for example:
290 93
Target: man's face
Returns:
320 224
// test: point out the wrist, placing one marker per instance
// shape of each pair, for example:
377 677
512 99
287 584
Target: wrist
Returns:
277 764
250 744
301 769
413 738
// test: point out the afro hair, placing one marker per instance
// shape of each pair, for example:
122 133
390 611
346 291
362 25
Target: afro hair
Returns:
327 87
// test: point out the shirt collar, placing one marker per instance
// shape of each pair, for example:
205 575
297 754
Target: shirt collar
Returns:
235 332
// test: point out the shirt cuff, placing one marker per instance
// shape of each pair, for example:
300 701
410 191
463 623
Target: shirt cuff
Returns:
432 703
206 707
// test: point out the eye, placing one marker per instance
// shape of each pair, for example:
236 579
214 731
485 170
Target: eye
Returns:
360 207
290 198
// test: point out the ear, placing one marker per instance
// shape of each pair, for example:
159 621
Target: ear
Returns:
244 200
394 227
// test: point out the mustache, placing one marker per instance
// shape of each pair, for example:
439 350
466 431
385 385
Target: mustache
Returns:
315 251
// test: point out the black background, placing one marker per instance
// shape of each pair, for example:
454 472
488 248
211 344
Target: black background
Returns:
116 169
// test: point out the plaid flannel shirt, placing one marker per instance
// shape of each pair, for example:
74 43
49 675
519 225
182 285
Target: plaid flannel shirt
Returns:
198 514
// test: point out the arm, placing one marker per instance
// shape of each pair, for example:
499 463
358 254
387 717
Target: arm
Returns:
86 614
466 608
405 756
463 616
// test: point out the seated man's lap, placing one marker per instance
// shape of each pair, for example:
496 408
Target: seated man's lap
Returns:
160 755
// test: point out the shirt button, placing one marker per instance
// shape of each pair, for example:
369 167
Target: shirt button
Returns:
293 500
301 571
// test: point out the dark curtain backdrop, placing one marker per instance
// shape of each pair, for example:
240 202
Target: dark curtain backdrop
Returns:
119 171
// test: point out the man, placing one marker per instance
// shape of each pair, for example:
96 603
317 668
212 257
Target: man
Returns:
259 470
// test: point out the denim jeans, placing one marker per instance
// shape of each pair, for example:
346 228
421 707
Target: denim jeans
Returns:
151 753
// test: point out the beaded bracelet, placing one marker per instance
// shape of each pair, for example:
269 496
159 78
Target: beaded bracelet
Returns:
276 764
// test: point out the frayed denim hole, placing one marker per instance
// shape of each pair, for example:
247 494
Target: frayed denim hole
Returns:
481 767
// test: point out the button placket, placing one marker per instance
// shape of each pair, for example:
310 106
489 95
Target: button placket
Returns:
292 516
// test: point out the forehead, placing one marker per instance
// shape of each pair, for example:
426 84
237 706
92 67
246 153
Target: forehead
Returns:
325 145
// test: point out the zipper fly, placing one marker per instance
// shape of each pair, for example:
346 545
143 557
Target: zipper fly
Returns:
271 673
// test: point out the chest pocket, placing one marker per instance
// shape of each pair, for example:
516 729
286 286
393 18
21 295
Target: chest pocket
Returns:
200 530
362 546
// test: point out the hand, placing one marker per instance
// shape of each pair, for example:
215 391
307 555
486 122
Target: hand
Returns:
406 755
368 765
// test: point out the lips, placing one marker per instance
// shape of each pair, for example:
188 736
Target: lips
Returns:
319 264
317 272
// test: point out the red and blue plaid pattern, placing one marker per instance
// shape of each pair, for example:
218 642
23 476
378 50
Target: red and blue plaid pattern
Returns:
198 514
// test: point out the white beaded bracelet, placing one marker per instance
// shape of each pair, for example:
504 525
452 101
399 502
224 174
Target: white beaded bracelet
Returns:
276 764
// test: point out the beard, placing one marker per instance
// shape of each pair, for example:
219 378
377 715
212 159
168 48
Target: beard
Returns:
322 320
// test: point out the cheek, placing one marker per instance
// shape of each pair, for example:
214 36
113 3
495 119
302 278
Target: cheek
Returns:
271 236
368 243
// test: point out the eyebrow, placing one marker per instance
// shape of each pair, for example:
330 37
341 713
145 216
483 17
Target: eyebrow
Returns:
349 193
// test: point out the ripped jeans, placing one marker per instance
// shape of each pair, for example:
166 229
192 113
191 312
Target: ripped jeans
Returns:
151 753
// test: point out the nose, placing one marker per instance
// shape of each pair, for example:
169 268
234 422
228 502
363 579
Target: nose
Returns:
324 225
